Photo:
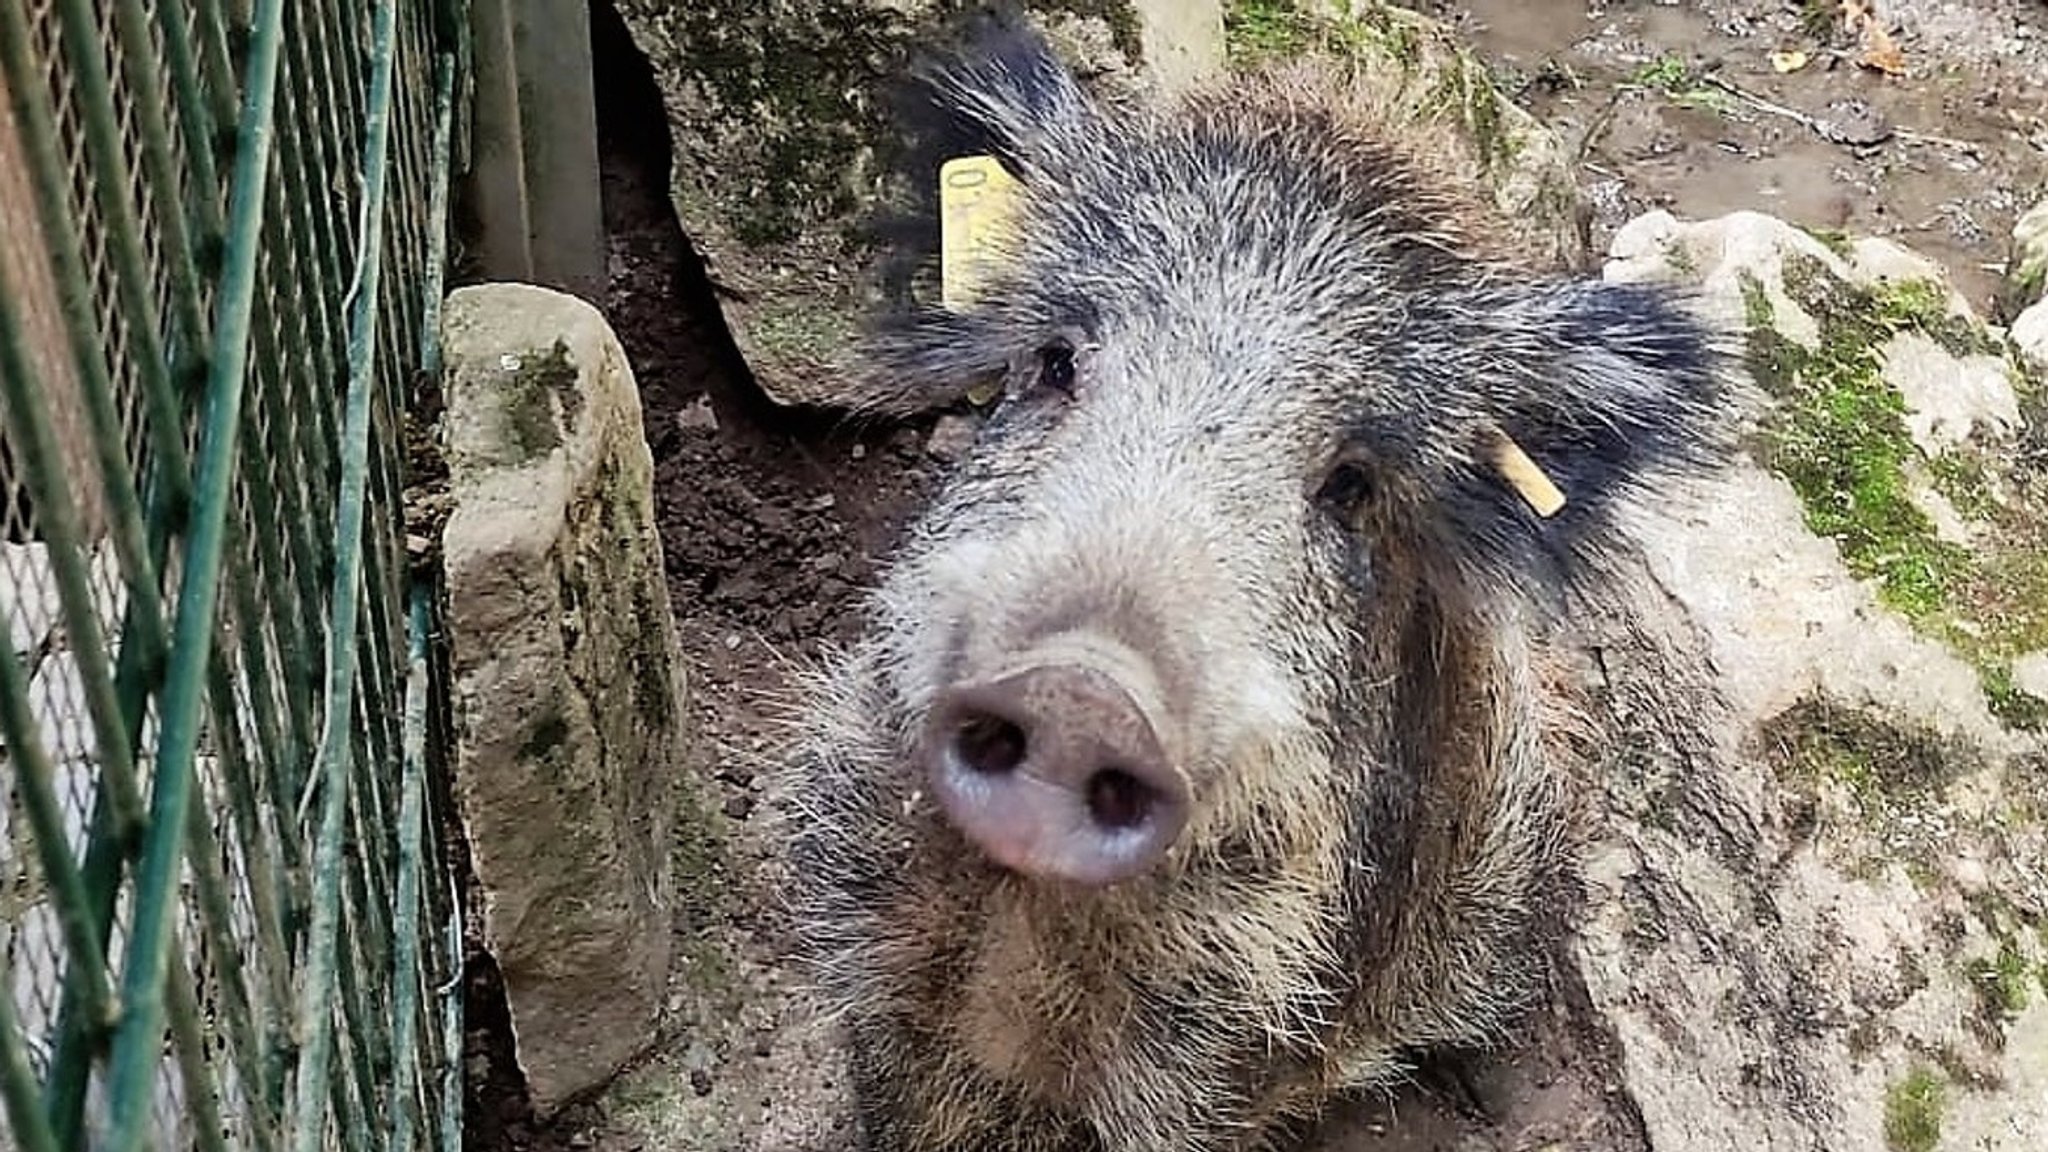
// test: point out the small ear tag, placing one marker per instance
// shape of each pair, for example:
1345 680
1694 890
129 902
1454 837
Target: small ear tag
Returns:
1527 479
976 199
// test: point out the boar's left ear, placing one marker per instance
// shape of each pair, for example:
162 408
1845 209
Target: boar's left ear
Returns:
990 85
1598 393
920 360
999 87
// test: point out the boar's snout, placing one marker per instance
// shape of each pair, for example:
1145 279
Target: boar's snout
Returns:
1057 770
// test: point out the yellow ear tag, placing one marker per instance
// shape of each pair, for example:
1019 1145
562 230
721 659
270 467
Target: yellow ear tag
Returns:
976 199
1527 479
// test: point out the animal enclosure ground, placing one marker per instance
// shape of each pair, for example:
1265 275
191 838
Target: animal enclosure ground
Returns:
773 524
1682 106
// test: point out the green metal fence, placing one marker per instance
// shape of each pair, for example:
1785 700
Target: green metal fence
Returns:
226 913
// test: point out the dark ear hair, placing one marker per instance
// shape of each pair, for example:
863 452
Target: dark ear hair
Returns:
992 86
1612 391
995 85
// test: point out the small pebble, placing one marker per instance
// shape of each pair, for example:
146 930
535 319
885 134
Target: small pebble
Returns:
951 437
698 415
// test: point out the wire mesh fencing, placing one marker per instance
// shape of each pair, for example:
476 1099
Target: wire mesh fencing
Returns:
226 912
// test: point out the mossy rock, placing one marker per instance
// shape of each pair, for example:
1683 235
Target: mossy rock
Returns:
2026 277
1910 432
567 682
1841 435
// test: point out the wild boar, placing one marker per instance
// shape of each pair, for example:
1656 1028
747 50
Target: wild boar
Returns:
1199 760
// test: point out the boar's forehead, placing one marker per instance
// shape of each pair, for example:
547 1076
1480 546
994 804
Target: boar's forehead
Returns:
1245 256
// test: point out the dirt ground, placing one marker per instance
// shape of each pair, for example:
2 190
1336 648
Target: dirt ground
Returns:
773 525
1680 106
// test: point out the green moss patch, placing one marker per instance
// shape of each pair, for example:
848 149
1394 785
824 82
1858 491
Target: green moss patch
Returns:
1834 239
1913 1110
1839 436
1854 767
1667 73
1821 740
2001 982
1841 440
2041 969
2005 982
2015 707
1257 31
534 387
1964 480
796 331
1680 83
2028 285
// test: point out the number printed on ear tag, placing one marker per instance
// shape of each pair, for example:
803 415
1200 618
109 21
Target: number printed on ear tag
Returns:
976 198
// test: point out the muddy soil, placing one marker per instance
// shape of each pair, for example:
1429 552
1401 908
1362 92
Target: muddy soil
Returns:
1680 106
773 524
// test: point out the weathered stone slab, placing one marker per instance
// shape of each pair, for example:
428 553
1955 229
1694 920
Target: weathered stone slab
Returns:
568 677
1817 908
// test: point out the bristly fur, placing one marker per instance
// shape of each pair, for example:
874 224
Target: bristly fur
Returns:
1254 284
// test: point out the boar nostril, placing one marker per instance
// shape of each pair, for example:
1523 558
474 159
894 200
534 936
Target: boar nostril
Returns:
989 744
1118 799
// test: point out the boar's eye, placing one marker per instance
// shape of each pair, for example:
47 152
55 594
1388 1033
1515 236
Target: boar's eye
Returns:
1346 490
1046 372
1056 367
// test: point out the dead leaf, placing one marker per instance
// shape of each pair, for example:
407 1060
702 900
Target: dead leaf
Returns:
1880 51
1788 61
1885 57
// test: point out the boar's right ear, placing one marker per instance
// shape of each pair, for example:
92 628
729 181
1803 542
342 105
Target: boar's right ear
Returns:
1608 393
